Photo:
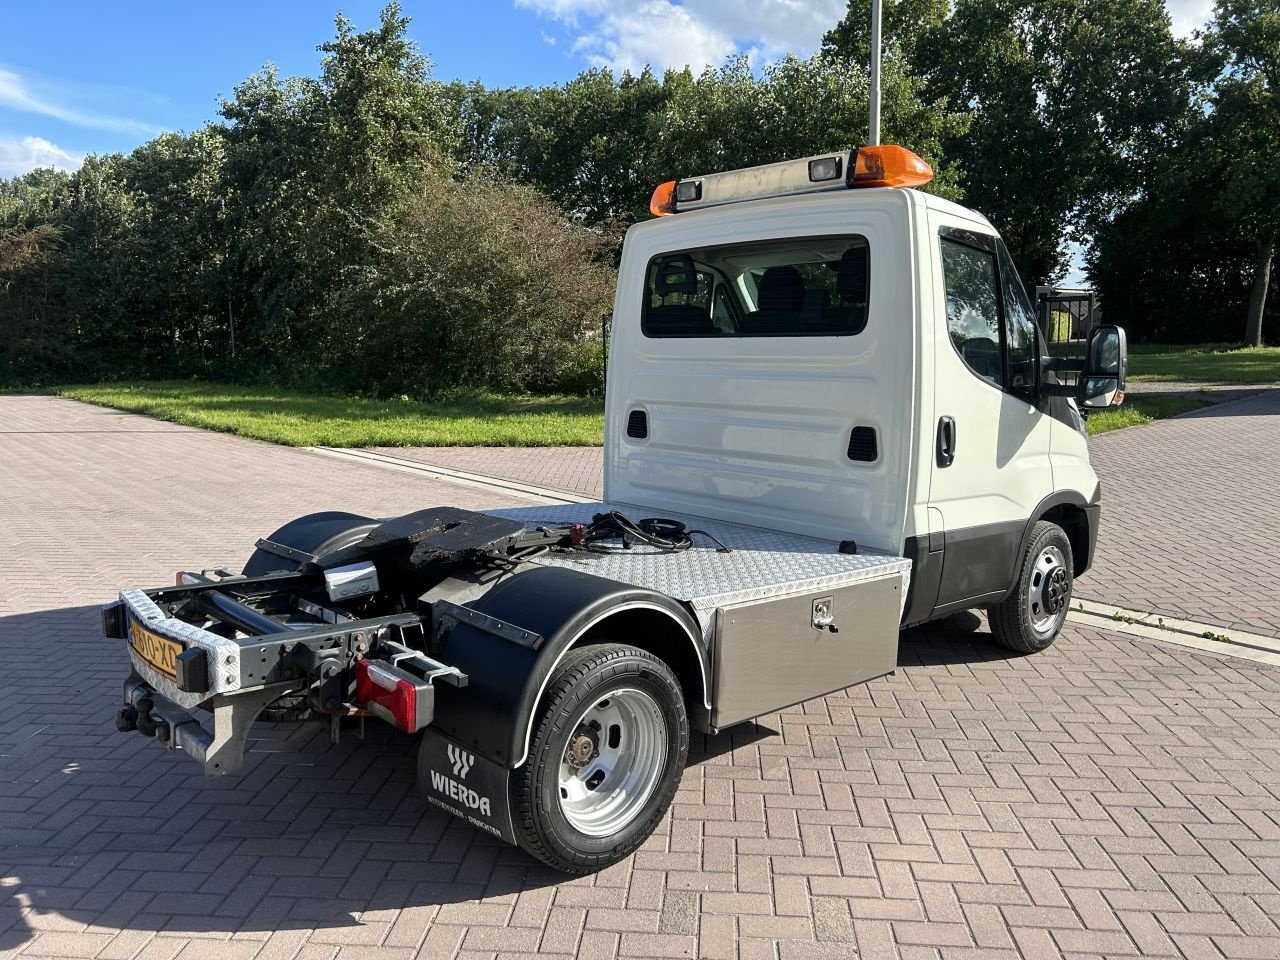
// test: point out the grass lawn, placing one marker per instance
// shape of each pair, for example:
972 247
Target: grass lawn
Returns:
1223 363
1199 363
305 420
301 419
1138 409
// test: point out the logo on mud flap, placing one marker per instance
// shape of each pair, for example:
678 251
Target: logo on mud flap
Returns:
461 794
461 761
480 799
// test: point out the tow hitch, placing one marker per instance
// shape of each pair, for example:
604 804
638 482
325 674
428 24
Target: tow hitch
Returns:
220 751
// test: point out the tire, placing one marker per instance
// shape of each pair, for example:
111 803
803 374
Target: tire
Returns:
316 534
558 814
1030 619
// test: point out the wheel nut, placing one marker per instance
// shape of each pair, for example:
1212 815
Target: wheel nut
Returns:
581 749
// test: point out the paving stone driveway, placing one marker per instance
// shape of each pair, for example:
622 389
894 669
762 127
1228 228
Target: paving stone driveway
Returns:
577 470
1107 797
1191 516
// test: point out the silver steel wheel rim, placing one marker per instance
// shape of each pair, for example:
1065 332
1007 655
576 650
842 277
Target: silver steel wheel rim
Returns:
627 735
1049 590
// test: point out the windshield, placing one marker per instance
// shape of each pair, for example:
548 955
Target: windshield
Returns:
799 287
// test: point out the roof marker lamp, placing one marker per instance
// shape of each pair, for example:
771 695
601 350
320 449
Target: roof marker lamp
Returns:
664 199
888 165
688 191
824 168
672 192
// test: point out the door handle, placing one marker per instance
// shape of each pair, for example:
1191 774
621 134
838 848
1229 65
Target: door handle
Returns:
946 441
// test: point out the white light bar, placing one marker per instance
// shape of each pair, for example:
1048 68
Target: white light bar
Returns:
826 171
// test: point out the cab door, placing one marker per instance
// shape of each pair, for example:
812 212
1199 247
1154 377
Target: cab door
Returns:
991 465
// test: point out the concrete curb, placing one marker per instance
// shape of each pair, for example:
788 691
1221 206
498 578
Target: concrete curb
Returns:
1208 637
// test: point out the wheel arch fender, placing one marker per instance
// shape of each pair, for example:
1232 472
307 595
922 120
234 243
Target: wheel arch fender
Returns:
494 714
313 533
1076 516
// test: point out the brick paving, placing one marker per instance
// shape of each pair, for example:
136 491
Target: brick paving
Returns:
1107 797
1191 516
577 470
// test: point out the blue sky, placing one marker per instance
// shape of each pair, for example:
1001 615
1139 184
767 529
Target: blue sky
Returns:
83 76
90 77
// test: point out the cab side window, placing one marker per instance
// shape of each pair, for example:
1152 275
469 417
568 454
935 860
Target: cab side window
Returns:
973 308
1020 330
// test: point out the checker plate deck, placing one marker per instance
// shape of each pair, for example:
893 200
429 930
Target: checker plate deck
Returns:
764 563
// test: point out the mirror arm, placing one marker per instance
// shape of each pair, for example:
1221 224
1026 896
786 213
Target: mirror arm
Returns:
1063 364
1059 389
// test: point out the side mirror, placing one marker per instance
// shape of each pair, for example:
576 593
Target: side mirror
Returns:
1101 382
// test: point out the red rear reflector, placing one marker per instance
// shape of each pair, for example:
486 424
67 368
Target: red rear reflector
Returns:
397 697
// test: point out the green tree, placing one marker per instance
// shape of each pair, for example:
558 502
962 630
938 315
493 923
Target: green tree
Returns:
1067 99
475 283
588 144
309 164
34 323
599 144
177 249
731 118
1170 265
902 24
1245 127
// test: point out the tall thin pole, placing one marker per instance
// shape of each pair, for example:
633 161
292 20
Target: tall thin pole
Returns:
874 138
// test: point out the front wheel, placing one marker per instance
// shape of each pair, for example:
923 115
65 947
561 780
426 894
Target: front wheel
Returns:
1029 620
608 749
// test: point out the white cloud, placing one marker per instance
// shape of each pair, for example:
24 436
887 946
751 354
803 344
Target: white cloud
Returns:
30 153
658 33
695 33
625 35
1188 15
776 27
16 94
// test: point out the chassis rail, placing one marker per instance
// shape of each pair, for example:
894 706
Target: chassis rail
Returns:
246 659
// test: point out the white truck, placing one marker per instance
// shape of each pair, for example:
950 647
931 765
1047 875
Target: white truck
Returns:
829 416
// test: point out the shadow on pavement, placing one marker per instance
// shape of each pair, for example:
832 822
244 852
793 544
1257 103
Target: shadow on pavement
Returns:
109 829
14 932
961 638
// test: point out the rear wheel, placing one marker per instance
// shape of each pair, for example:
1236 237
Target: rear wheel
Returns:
315 534
1030 619
606 756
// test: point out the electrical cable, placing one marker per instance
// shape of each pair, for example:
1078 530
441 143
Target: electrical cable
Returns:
606 533
668 536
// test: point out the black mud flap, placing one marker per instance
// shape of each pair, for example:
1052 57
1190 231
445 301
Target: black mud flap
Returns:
465 784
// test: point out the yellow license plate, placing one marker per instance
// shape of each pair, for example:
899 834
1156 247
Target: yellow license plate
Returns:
160 652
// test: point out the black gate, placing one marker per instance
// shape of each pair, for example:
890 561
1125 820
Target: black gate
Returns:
1067 317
